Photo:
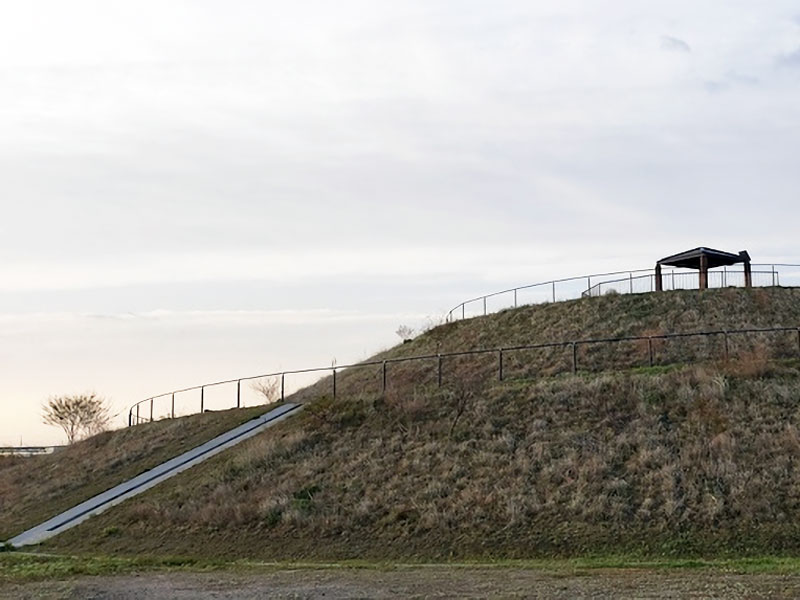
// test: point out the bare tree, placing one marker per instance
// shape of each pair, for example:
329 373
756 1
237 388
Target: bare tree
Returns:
79 415
268 388
405 333
461 394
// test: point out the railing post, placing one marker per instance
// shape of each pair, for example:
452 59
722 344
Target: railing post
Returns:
239 394
173 405
727 347
463 311
151 410
130 417
515 297
630 275
202 398
773 275
500 357
554 291
439 368
334 382
283 386
383 377
574 357
484 306
650 349
137 412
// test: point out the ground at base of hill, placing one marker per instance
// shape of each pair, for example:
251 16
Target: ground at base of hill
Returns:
419 582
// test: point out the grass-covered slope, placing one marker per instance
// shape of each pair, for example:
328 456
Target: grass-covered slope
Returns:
616 315
692 460
611 316
675 460
34 489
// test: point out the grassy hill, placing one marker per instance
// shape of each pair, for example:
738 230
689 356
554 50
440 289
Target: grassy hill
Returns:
611 316
34 489
669 460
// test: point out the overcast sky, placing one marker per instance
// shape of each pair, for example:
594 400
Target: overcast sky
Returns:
204 189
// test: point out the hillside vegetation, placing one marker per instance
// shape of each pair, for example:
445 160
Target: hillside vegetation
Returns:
611 316
34 489
700 459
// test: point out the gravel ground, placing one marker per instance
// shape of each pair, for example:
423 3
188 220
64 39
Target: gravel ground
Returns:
416 583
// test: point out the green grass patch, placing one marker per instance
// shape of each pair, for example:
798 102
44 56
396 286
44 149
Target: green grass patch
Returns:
18 567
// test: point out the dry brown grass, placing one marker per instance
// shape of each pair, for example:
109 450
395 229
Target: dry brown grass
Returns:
660 461
37 488
674 462
590 318
754 362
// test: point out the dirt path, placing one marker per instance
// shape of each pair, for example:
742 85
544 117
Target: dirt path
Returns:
416 583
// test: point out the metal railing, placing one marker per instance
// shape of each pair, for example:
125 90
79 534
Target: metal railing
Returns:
534 293
634 281
28 450
681 280
650 345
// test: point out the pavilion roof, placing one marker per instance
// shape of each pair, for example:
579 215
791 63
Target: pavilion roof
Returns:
690 259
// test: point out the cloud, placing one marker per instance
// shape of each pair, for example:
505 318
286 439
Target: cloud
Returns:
791 60
730 81
160 317
739 78
674 44
715 87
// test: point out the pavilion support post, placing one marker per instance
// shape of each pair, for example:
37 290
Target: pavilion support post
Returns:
659 281
748 275
703 272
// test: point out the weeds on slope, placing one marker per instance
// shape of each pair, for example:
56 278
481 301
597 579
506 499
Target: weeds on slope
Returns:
672 463
37 488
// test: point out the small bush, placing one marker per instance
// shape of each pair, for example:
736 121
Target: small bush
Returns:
303 499
273 517
113 530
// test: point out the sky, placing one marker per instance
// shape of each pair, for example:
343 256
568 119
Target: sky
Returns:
202 190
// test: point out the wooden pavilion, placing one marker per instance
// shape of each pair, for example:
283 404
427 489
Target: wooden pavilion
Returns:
704 259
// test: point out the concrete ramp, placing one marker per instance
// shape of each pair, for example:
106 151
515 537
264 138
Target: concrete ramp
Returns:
153 477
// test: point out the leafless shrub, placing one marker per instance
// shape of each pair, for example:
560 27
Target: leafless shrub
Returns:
268 388
460 394
81 415
405 332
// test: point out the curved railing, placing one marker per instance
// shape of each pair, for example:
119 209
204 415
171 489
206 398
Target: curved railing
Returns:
681 281
502 354
548 287
635 282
